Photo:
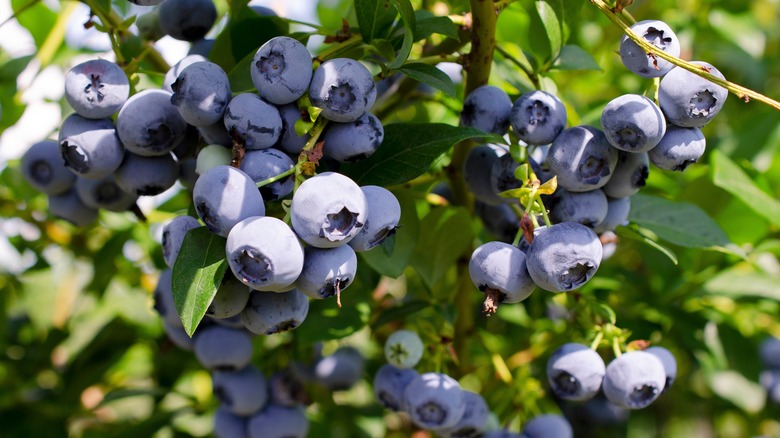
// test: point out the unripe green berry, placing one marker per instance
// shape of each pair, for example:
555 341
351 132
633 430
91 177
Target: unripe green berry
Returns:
404 349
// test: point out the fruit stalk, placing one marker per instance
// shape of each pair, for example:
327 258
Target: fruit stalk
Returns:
743 93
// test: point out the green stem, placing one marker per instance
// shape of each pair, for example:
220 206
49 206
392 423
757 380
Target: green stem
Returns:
595 344
303 158
435 59
480 61
325 54
616 347
276 178
524 67
544 214
743 93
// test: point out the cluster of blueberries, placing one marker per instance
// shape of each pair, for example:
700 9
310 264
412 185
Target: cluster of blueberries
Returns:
597 170
252 405
769 352
436 402
632 380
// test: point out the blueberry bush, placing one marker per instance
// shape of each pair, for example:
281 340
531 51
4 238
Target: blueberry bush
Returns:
484 218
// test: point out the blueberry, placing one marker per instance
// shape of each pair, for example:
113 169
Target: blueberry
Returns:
353 141
327 272
187 174
390 383
163 300
668 361
538 117
148 24
263 11
477 169
69 207
147 176
279 422
499 220
104 193
404 349
770 380
268 313
201 93
688 100
224 349
564 256
281 70
587 208
74 124
487 109
233 322
187 20
96 89
263 164
216 134
328 210
201 47
384 213
582 159
254 120
341 370
230 299
343 88
146 2
769 352
617 215
242 392
189 145
173 73
633 123
575 372
229 425
500 271
148 124
285 387
173 235
212 155
642 63
629 176
92 154
548 426
43 168
634 380
264 253
290 142
224 196
596 412
474 419
178 336
679 148
434 401
502 177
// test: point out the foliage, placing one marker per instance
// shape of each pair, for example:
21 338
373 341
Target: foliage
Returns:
696 271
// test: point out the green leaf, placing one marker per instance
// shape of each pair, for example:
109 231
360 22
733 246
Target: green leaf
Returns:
399 313
197 274
728 176
737 283
429 75
244 34
374 18
551 13
406 10
38 18
404 240
680 223
431 25
326 321
240 77
645 236
445 233
407 151
736 388
574 58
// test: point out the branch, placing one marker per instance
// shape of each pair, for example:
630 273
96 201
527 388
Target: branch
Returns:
743 93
